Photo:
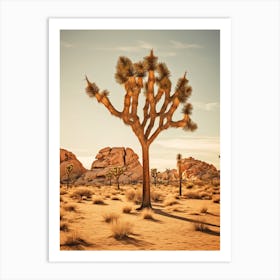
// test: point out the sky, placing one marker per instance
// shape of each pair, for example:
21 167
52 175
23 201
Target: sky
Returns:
86 126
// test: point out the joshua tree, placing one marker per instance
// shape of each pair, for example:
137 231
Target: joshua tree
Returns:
68 169
156 87
117 172
168 172
154 174
109 176
179 166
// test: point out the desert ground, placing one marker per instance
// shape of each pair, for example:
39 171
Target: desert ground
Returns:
105 218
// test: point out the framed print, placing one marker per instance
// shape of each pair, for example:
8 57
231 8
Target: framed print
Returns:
139 147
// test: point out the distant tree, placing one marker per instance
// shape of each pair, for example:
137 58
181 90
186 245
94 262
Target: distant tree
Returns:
179 166
154 174
168 173
117 172
68 170
109 177
157 90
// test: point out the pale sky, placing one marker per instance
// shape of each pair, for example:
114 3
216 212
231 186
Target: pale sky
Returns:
86 126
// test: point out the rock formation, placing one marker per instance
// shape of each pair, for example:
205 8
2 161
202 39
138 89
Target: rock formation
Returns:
108 158
67 158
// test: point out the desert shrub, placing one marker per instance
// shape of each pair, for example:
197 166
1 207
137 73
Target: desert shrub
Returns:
121 229
169 201
147 214
216 199
156 196
75 241
205 195
64 226
138 196
70 207
81 192
127 209
130 194
204 210
98 200
192 195
62 192
110 217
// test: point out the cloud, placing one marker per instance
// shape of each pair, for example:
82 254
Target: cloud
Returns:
180 45
210 106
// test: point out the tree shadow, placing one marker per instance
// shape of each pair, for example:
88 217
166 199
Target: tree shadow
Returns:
160 212
134 241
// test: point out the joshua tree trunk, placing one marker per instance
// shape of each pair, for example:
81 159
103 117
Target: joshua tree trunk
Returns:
146 201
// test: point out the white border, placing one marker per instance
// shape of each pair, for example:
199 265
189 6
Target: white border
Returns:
222 24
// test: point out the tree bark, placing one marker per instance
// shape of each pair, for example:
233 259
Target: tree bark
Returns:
146 197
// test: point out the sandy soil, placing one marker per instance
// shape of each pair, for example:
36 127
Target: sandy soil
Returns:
175 223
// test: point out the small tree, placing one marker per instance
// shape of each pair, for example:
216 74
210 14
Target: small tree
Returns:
154 174
109 177
168 173
156 88
179 166
117 172
68 169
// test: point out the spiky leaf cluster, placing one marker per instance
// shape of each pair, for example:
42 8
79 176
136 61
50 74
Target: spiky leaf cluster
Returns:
124 70
190 126
183 90
187 110
162 79
140 69
92 89
151 61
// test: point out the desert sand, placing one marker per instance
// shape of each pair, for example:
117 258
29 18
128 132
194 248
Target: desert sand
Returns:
105 218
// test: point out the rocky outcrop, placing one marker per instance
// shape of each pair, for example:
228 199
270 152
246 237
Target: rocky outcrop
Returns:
108 158
67 158
199 170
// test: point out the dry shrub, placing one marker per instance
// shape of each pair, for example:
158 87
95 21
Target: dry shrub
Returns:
64 226
147 214
156 196
200 226
98 200
169 201
62 192
216 199
205 195
127 209
80 192
192 195
110 217
121 229
70 207
130 194
204 210
138 196
75 241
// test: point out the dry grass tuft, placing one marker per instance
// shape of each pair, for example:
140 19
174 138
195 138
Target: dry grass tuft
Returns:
110 217
147 214
64 226
70 207
169 201
98 200
75 241
121 229
81 192
216 199
115 198
127 209
156 196
130 194
138 196
204 210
